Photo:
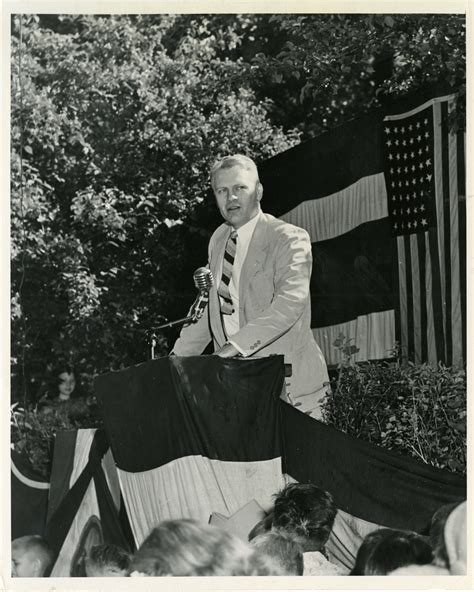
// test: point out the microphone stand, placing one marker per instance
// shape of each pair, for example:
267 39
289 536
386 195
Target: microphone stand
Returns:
203 283
153 336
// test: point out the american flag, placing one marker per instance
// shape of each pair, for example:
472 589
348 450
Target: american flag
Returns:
424 175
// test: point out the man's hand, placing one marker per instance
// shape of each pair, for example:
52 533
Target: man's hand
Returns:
227 351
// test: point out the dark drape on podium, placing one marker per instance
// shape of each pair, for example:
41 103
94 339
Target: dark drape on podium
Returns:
194 435
366 480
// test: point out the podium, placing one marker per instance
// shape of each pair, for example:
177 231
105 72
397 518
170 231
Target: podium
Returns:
194 435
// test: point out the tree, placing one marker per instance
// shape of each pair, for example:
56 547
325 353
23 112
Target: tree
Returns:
333 67
112 137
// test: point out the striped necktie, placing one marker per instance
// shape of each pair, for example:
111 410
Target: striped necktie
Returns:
227 264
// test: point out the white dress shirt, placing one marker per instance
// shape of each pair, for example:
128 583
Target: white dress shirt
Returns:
244 236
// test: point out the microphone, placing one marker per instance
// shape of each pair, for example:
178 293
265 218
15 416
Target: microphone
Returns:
203 280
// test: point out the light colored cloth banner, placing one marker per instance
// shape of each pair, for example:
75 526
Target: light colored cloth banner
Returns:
373 334
82 449
333 215
26 481
346 537
195 487
85 532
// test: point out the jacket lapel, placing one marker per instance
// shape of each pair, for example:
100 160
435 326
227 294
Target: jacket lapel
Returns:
255 258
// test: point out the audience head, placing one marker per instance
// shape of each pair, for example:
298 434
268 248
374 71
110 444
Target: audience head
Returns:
283 549
187 548
438 522
307 512
107 561
31 557
455 536
385 550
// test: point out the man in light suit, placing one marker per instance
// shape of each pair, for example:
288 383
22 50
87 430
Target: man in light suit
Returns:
260 303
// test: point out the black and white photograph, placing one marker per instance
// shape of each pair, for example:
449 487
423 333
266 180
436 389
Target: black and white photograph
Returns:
236 250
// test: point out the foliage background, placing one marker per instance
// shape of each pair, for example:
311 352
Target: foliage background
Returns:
115 121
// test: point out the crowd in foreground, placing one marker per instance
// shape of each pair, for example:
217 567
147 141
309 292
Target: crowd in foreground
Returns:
291 540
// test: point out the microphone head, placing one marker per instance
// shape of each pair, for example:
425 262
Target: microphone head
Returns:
203 279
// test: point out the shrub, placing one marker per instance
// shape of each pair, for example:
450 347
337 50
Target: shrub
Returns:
33 429
416 410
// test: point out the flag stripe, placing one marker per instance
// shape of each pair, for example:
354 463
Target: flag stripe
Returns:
432 319
402 278
446 228
333 215
418 108
462 234
436 293
420 297
415 275
438 244
409 297
456 313
323 166
396 299
374 335
437 262
353 275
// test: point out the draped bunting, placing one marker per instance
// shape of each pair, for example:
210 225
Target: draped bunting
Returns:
338 187
205 435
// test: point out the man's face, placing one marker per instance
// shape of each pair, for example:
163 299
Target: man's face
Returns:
25 564
238 194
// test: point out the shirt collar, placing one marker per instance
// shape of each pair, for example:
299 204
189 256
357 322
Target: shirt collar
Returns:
246 231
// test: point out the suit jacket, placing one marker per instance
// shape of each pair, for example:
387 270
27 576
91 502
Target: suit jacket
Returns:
274 307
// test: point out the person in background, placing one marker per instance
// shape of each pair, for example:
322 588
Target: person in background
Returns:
187 548
260 302
107 561
283 549
385 549
59 383
31 557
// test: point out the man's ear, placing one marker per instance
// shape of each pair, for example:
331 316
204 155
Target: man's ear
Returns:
259 190
37 568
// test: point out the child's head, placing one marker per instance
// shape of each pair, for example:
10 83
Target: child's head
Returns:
384 550
107 561
307 512
283 549
31 557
